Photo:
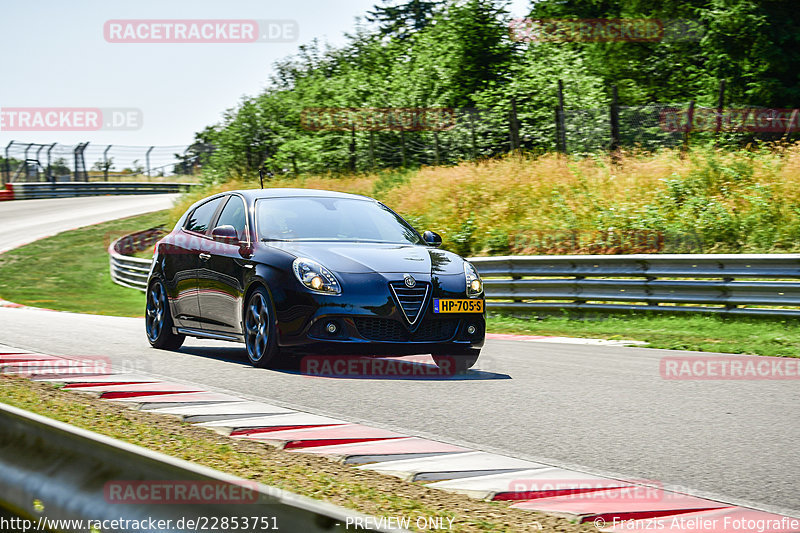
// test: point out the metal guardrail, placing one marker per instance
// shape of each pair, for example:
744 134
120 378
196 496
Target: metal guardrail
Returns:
726 284
729 284
132 271
49 469
29 191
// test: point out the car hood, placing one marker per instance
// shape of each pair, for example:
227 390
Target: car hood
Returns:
373 257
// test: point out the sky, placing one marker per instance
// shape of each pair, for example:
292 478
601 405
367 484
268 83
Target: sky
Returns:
55 55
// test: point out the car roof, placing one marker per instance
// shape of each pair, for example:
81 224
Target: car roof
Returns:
279 192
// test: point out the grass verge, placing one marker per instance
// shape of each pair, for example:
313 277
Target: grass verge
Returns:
69 272
754 336
316 477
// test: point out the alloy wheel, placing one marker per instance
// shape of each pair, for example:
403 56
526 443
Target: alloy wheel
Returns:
156 310
257 327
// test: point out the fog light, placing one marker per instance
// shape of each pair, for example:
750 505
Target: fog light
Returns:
332 327
471 329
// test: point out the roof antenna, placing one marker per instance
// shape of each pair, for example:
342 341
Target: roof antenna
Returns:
261 175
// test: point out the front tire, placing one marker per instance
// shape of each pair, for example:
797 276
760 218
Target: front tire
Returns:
259 330
456 362
158 320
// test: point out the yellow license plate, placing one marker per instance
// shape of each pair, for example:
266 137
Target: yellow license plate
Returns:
457 306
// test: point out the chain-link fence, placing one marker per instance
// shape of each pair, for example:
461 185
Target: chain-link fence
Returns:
646 127
34 162
348 141
374 138
655 126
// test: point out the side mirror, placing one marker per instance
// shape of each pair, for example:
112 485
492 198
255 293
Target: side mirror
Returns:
226 234
432 238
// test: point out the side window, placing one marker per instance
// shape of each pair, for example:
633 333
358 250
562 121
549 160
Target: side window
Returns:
233 214
200 218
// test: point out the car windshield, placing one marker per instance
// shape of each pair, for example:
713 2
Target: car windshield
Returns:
331 219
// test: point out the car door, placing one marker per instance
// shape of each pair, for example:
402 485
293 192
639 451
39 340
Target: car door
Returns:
184 263
223 268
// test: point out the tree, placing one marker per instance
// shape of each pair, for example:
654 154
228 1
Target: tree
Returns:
755 46
403 19
103 165
59 167
466 50
137 167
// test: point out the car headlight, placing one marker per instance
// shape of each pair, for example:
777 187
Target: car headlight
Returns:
315 276
474 283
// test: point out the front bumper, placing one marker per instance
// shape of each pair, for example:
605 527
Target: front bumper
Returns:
367 315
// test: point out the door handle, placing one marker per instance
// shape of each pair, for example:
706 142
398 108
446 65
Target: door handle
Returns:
205 257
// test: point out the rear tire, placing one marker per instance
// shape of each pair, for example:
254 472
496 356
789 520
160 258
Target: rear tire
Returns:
456 362
158 319
259 330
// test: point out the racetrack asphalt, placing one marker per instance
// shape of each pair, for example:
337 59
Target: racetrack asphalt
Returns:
24 221
600 409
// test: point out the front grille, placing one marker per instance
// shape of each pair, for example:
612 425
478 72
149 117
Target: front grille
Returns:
412 301
388 330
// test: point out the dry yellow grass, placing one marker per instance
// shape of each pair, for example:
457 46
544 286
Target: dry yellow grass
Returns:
707 200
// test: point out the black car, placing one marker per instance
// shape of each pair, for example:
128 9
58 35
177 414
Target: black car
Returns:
300 270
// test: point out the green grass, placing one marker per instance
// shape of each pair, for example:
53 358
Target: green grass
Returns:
756 336
69 271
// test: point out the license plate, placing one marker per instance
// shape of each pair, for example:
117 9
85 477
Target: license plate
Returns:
457 306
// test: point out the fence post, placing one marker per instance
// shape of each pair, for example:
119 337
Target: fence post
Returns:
80 162
372 149
50 177
27 167
7 165
720 104
513 127
75 162
688 128
147 158
38 162
105 162
403 148
436 149
561 133
792 121
472 134
614 147
353 148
